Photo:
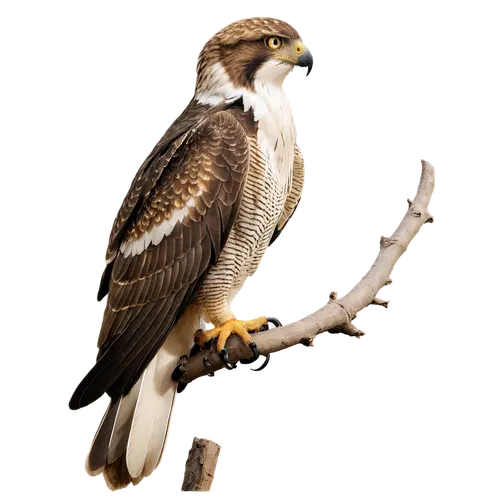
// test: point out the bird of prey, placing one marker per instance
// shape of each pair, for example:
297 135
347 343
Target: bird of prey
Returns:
214 193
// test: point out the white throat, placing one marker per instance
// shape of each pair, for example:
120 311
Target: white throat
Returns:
276 129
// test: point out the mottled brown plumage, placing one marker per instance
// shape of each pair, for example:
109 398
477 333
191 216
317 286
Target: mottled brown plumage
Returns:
147 176
241 64
215 191
148 291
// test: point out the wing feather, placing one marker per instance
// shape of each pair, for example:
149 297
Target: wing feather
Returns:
151 170
193 204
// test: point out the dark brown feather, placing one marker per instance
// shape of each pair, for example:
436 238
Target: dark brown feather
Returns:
224 214
149 291
186 237
150 171
278 229
105 279
99 450
213 224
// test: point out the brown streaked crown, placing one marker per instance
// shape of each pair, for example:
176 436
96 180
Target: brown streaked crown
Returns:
236 49
253 29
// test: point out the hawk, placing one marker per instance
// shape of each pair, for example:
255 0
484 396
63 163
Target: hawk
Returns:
214 193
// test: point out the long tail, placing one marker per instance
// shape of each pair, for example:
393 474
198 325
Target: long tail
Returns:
129 442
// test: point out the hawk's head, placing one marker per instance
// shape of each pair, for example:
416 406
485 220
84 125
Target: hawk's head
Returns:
253 50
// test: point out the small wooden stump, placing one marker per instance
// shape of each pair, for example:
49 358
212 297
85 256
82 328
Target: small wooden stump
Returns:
200 465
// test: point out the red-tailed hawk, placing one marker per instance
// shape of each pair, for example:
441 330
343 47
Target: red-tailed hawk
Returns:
210 198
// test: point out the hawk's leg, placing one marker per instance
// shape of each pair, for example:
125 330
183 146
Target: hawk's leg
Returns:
240 328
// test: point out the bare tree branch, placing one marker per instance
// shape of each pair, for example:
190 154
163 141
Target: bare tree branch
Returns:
337 314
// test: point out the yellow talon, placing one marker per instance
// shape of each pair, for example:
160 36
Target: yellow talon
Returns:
222 333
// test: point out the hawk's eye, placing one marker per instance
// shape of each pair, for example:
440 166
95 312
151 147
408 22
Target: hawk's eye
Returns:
273 42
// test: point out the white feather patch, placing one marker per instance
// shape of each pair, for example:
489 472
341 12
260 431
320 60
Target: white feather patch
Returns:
155 235
140 431
276 134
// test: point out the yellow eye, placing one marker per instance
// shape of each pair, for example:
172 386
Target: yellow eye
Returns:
273 42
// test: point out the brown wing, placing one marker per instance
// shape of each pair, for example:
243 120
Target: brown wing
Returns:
293 198
146 178
160 258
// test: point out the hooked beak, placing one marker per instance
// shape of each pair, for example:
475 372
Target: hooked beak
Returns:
306 60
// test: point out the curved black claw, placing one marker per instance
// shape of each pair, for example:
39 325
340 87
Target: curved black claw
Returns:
264 362
255 357
272 322
181 385
180 369
224 356
259 364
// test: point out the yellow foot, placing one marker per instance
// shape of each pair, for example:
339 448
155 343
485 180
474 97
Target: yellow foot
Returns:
222 333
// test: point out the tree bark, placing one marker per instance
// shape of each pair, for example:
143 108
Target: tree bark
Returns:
200 465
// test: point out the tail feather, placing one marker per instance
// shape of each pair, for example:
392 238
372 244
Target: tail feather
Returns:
162 412
123 421
166 440
130 440
143 422
96 459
